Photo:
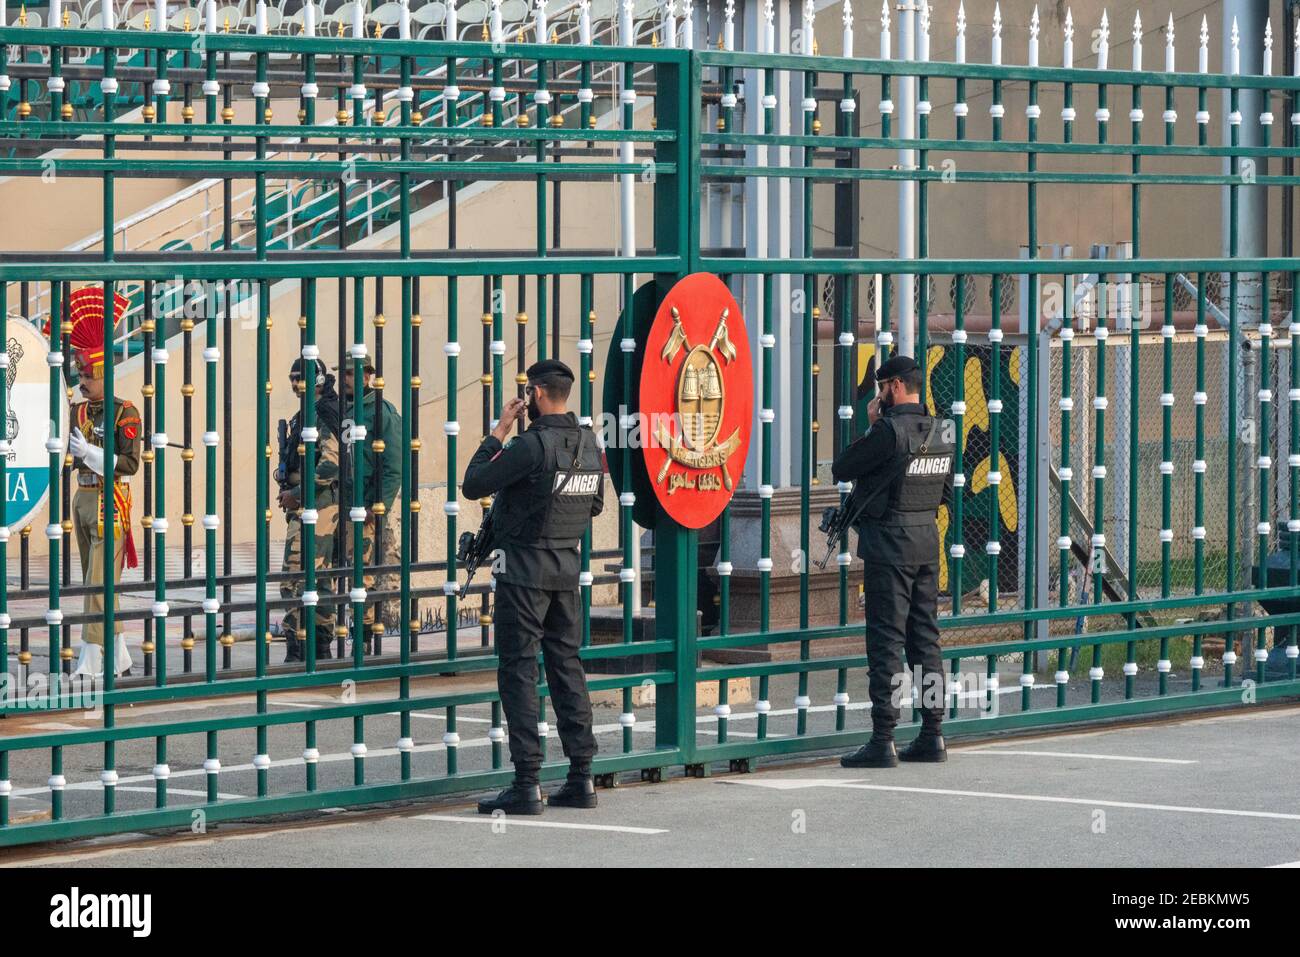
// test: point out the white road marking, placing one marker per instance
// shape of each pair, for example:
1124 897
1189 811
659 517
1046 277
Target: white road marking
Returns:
1074 754
510 822
443 717
185 792
787 784
1289 864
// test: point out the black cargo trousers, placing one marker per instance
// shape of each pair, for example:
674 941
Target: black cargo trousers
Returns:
525 620
902 617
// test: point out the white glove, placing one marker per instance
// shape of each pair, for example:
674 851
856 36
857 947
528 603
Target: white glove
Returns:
91 455
77 443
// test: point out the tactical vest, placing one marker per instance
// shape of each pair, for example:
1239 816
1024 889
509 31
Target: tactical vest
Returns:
552 507
916 491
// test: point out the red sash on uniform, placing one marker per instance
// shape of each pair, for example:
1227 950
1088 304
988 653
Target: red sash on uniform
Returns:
121 492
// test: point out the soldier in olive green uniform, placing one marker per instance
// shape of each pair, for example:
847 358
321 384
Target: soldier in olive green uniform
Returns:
382 482
289 475
85 310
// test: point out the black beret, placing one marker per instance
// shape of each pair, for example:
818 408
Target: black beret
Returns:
547 368
895 367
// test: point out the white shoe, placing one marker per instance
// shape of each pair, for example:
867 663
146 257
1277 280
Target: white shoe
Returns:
91 660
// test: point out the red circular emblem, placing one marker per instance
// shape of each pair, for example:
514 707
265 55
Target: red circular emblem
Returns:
697 400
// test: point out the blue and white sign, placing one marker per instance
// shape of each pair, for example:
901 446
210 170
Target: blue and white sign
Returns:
26 381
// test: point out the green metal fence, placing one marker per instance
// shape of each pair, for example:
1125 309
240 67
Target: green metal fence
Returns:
1036 579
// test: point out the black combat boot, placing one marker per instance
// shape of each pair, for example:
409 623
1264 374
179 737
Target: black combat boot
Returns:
324 648
876 753
292 650
577 791
519 798
928 746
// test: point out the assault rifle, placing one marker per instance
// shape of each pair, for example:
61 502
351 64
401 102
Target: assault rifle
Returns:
473 548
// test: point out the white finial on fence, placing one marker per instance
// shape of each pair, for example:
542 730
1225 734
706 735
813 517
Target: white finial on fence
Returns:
496 32
1067 48
995 53
1033 37
959 51
540 21
923 33
884 31
847 17
1169 45
451 26
1268 47
404 20
159 23
1203 54
584 22
1137 40
806 40
358 21
109 16
211 16
669 26
1103 42
259 18
769 26
729 26
309 19
1235 59
688 25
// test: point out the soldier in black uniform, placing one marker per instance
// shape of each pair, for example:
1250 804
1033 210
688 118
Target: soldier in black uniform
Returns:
549 484
903 471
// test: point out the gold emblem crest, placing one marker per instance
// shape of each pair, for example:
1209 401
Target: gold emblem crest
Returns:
701 401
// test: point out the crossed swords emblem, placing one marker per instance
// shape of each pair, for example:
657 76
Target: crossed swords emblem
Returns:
700 448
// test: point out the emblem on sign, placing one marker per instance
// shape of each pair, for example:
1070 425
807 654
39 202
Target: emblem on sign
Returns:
697 398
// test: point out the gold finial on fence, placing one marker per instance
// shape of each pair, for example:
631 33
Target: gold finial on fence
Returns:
185 24
22 15
66 111
378 30
338 28
148 23
67 18
486 35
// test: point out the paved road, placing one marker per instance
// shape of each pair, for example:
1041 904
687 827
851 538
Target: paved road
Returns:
1208 791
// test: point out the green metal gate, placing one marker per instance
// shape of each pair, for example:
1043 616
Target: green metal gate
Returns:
471 113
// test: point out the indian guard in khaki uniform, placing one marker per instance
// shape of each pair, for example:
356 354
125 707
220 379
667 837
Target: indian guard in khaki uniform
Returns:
85 310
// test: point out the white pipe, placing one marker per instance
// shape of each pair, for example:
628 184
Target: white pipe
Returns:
906 112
